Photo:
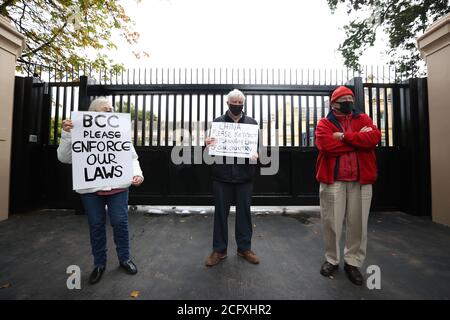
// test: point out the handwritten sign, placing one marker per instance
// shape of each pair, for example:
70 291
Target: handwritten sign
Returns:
234 139
101 149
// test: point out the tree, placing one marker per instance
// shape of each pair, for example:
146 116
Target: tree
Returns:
402 21
60 32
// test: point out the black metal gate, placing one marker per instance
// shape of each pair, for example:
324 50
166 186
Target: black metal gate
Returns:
165 115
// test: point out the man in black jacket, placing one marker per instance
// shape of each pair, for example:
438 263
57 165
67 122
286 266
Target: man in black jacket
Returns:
233 184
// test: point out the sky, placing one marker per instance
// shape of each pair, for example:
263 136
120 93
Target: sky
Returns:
239 33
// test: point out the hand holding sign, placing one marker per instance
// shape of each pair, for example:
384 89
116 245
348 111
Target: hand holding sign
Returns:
137 181
67 125
210 141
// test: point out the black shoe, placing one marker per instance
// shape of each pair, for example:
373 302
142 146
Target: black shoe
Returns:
129 267
328 269
96 275
354 275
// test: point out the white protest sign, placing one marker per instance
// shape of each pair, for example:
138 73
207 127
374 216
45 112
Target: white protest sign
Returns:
234 139
101 149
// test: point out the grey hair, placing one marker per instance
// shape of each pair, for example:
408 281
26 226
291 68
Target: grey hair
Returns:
98 103
235 94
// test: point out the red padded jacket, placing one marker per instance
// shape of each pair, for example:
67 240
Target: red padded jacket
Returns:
363 143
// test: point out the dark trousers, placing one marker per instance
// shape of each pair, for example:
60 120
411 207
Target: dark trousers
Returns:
94 206
226 195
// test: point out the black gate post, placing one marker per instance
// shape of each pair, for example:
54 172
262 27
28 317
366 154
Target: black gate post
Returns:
358 90
83 98
15 202
27 180
412 134
83 105
418 131
424 145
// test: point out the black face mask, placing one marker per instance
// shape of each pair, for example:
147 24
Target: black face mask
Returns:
236 109
346 107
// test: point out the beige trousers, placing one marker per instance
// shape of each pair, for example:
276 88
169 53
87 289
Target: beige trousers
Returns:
349 201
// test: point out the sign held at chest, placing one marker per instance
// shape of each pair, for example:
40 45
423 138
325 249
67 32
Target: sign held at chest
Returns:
234 139
101 149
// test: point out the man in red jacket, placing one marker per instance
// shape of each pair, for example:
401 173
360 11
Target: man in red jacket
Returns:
346 169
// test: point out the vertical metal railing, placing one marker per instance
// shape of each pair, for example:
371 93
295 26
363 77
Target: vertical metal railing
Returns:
379 107
286 118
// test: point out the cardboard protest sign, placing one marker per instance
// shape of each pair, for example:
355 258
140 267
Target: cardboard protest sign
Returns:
234 139
101 149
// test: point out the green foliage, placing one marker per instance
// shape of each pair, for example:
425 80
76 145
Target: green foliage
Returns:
402 20
52 130
60 32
